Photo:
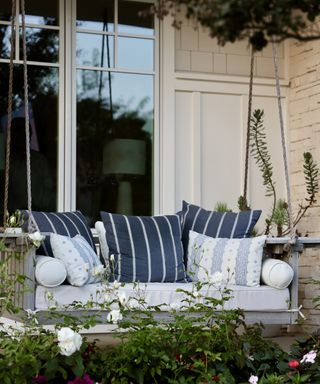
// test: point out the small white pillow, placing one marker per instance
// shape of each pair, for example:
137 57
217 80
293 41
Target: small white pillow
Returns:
276 273
238 260
81 262
50 272
104 248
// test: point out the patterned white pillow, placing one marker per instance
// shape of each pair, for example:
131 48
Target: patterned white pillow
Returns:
81 262
238 260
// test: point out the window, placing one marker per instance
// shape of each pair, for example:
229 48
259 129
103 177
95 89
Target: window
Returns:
91 84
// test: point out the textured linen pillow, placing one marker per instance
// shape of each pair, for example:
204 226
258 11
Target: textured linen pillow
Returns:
63 223
239 260
50 272
276 273
145 249
216 224
81 262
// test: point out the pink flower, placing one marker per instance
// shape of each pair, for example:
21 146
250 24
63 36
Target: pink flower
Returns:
85 380
40 379
310 357
293 364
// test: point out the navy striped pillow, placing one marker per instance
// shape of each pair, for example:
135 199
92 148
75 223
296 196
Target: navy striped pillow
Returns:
63 223
216 224
145 249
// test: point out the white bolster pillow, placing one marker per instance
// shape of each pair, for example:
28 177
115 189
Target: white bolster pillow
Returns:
276 273
50 272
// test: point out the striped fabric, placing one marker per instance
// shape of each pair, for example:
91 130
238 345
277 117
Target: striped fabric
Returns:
238 260
145 249
63 223
216 224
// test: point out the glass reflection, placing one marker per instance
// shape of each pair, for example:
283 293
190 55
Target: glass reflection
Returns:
99 17
131 19
42 45
5 34
42 12
5 10
114 113
43 112
135 53
95 50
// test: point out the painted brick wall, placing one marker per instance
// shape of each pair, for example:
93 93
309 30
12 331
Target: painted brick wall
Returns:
196 51
304 135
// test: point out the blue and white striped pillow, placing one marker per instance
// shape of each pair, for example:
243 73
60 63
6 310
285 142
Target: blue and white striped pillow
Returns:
216 224
145 249
238 260
63 223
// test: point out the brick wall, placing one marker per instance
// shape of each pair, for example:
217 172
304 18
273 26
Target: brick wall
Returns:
196 51
304 135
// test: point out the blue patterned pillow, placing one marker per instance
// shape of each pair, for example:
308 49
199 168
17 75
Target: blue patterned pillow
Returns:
216 224
145 249
63 223
237 260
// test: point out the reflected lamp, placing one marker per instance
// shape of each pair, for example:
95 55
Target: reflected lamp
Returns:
124 158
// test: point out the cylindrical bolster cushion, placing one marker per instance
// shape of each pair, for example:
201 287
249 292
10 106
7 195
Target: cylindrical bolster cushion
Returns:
50 272
276 273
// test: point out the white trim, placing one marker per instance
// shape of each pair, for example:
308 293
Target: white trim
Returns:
112 69
196 149
167 119
34 63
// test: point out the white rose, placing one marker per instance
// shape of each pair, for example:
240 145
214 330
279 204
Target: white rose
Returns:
116 284
122 297
114 316
68 341
112 258
36 238
98 271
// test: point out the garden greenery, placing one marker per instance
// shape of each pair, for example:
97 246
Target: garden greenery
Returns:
197 341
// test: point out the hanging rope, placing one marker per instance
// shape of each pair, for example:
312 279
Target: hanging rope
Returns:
246 166
9 113
32 226
283 140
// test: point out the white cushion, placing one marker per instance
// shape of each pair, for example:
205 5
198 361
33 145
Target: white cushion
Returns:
80 260
238 260
101 231
50 272
276 273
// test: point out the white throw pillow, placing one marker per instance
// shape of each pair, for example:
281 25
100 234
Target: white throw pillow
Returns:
238 260
81 262
276 273
50 272
104 249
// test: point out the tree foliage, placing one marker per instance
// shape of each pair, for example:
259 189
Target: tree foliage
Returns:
258 21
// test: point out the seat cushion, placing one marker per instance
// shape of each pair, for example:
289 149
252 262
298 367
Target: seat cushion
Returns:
145 249
216 224
63 223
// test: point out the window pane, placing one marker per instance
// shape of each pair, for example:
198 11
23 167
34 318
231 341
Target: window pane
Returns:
42 45
42 12
5 34
95 50
5 10
98 16
43 91
130 19
135 53
114 143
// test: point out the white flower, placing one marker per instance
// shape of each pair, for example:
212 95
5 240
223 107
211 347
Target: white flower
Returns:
98 271
216 278
196 294
12 220
116 284
112 258
36 238
122 297
68 341
310 357
114 316
253 379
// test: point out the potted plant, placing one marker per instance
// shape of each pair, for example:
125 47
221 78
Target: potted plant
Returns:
14 223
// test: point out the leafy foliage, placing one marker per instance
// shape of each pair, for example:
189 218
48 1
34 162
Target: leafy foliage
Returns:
258 21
